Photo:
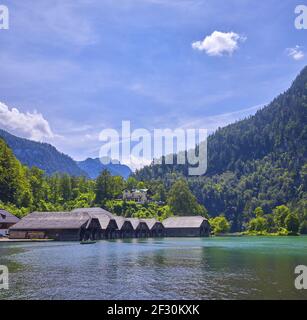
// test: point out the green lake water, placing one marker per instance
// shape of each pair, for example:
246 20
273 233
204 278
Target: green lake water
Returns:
174 268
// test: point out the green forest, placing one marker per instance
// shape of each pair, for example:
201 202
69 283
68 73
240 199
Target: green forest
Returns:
256 181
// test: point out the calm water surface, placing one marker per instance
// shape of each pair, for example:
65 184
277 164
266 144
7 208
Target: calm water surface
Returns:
215 268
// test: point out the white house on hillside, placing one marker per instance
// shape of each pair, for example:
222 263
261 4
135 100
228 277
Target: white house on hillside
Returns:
138 195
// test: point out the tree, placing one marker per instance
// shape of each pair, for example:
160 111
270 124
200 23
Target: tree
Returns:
39 186
118 186
131 183
303 174
141 185
280 214
292 223
54 184
258 212
182 202
160 193
303 227
219 225
271 226
65 186
258 224
14 186
103 188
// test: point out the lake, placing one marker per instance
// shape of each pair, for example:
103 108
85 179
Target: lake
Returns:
173 268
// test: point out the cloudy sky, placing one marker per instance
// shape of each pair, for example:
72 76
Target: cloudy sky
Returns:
70 68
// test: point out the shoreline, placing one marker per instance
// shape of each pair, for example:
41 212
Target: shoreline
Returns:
6 240
226 235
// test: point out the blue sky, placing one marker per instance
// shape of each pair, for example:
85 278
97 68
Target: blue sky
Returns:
71 68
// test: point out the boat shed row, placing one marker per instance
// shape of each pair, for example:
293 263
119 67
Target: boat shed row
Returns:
7 220
97 224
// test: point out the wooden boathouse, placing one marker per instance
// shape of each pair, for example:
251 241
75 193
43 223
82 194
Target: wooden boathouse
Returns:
140 227
188 226
156 228
125 228
107 224
7 220
62 226
98 224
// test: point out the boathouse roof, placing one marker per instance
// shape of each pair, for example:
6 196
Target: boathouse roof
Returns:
138 223
52 220
184 222
7 217
135 222
104 217
151 222
95 210
121 221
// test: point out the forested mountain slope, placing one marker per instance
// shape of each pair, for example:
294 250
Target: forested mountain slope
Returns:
41 155
255 162
48 158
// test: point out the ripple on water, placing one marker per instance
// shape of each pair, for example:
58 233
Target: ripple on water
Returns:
215 268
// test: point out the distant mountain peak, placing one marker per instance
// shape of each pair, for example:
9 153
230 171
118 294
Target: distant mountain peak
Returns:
41 155
48 158
93 167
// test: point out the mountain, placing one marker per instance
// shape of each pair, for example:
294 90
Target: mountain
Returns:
49 159
93 168
41 155
256 162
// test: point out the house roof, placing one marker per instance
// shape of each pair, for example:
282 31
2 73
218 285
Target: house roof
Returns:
137 190
121 221
6 217
151 222
104 217
95 210
52 220
135 222
184 222
138 223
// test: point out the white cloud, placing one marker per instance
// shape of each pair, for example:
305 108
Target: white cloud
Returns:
296 53
28 125
219 43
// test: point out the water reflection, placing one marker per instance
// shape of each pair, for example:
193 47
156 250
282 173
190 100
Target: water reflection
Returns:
219 268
